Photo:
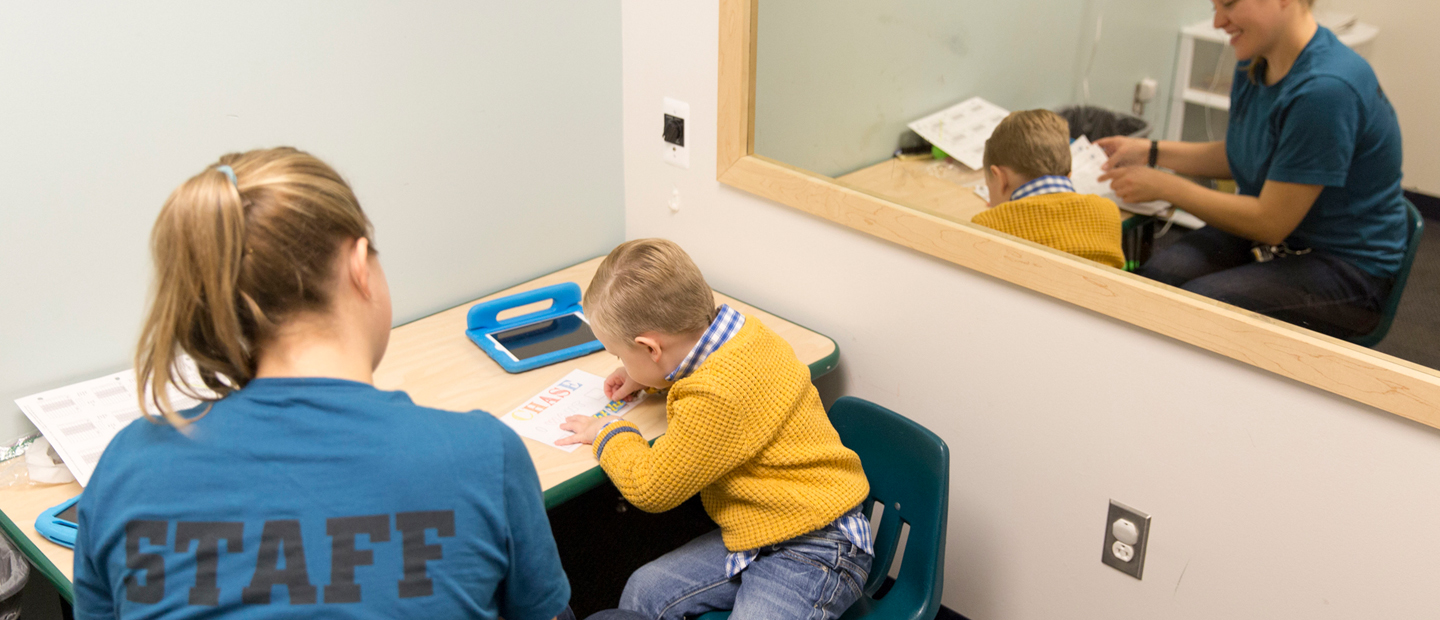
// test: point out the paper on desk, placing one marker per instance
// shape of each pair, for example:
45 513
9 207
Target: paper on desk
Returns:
80 420
962 129
1086 160
579 393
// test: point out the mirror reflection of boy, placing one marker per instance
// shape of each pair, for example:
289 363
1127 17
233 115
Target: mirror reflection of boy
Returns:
1027 168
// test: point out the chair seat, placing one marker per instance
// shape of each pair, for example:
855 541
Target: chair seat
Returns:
909 472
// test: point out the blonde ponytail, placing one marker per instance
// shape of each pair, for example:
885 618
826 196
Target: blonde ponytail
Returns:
233 260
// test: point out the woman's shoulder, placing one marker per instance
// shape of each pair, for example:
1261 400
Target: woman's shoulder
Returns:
1333 68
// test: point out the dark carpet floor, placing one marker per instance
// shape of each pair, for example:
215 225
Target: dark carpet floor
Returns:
1415 335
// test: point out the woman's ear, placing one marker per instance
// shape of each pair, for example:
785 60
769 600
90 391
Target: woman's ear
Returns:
357 259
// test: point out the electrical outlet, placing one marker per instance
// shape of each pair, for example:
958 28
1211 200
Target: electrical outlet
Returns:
1126 533
677 150
1145 92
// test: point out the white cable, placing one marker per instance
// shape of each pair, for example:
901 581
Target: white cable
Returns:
1090 66
1214 84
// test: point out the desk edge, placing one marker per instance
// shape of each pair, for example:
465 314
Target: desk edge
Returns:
37 558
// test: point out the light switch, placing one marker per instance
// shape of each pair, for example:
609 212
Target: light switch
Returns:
674 141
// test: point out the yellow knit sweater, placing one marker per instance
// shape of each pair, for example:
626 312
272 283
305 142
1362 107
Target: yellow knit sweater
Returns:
1085 225
746 431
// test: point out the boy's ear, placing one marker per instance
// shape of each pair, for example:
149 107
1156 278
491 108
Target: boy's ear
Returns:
652 347
1000 178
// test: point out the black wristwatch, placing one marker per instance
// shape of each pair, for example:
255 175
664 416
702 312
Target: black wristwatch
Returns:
1154 152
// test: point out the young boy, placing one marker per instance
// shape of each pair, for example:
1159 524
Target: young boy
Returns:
746 431
1027 168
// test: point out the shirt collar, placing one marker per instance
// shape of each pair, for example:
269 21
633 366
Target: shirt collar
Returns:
1048 184
726 324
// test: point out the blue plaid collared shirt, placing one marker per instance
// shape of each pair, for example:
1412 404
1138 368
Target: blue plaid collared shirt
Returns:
1039 186
853 525
727 323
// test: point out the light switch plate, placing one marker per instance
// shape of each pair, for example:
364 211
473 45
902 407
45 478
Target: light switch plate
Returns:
1112 553
675 136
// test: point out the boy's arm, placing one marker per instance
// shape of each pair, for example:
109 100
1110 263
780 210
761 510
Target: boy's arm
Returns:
706 439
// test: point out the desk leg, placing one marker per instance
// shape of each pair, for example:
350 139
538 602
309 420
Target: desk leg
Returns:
1137 240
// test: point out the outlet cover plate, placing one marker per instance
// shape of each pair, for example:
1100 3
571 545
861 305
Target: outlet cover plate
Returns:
1136 565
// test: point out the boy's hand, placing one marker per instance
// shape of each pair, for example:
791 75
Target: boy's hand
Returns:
619 385
585 427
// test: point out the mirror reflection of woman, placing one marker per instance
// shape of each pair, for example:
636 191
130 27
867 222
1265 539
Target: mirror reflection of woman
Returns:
1317 231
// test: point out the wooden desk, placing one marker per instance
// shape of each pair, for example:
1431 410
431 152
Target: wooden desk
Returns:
945 188
939 187
433 361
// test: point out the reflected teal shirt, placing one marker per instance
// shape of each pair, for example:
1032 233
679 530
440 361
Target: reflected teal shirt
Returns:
1327 122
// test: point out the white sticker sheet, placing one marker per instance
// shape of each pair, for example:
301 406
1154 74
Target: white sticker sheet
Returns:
79 420
579 393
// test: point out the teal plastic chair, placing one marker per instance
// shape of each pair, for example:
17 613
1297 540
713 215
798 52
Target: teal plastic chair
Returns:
909 471
1392 303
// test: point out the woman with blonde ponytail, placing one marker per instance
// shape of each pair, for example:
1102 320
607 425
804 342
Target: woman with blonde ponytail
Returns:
1317 231
298 489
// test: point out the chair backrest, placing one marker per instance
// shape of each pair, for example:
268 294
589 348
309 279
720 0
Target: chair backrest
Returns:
1392 302
909 471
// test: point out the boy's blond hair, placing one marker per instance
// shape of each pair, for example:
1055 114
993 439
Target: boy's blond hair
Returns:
649 285
1035 143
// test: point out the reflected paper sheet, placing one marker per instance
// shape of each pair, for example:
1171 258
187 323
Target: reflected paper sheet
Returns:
80 420
1086 160
579 393
962 129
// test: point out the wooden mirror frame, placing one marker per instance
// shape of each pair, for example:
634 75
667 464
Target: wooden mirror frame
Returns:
1394 385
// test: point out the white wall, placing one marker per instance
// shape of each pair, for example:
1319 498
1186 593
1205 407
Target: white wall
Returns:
1404 59
1270 499
482 139
1138 39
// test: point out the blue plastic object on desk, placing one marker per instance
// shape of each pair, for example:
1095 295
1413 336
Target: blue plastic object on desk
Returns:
540 338
58 526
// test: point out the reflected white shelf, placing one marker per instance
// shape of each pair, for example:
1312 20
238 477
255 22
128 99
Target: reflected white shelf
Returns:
1356 34
1207 98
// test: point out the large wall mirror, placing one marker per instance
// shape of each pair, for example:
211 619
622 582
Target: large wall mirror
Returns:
814 99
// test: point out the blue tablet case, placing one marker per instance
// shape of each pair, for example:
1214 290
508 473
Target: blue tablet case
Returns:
482 321
52 528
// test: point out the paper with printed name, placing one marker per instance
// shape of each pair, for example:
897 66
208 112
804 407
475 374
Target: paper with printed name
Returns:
579 393
962 129
80 420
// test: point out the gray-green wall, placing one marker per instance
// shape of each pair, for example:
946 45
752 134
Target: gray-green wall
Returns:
482 138
837 80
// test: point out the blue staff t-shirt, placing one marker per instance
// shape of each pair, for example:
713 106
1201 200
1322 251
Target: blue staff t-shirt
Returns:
1327 122
317 497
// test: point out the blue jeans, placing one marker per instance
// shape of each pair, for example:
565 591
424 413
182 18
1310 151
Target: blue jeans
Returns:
814 576
1318 290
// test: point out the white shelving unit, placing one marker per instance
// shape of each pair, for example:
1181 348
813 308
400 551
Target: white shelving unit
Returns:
1206 66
